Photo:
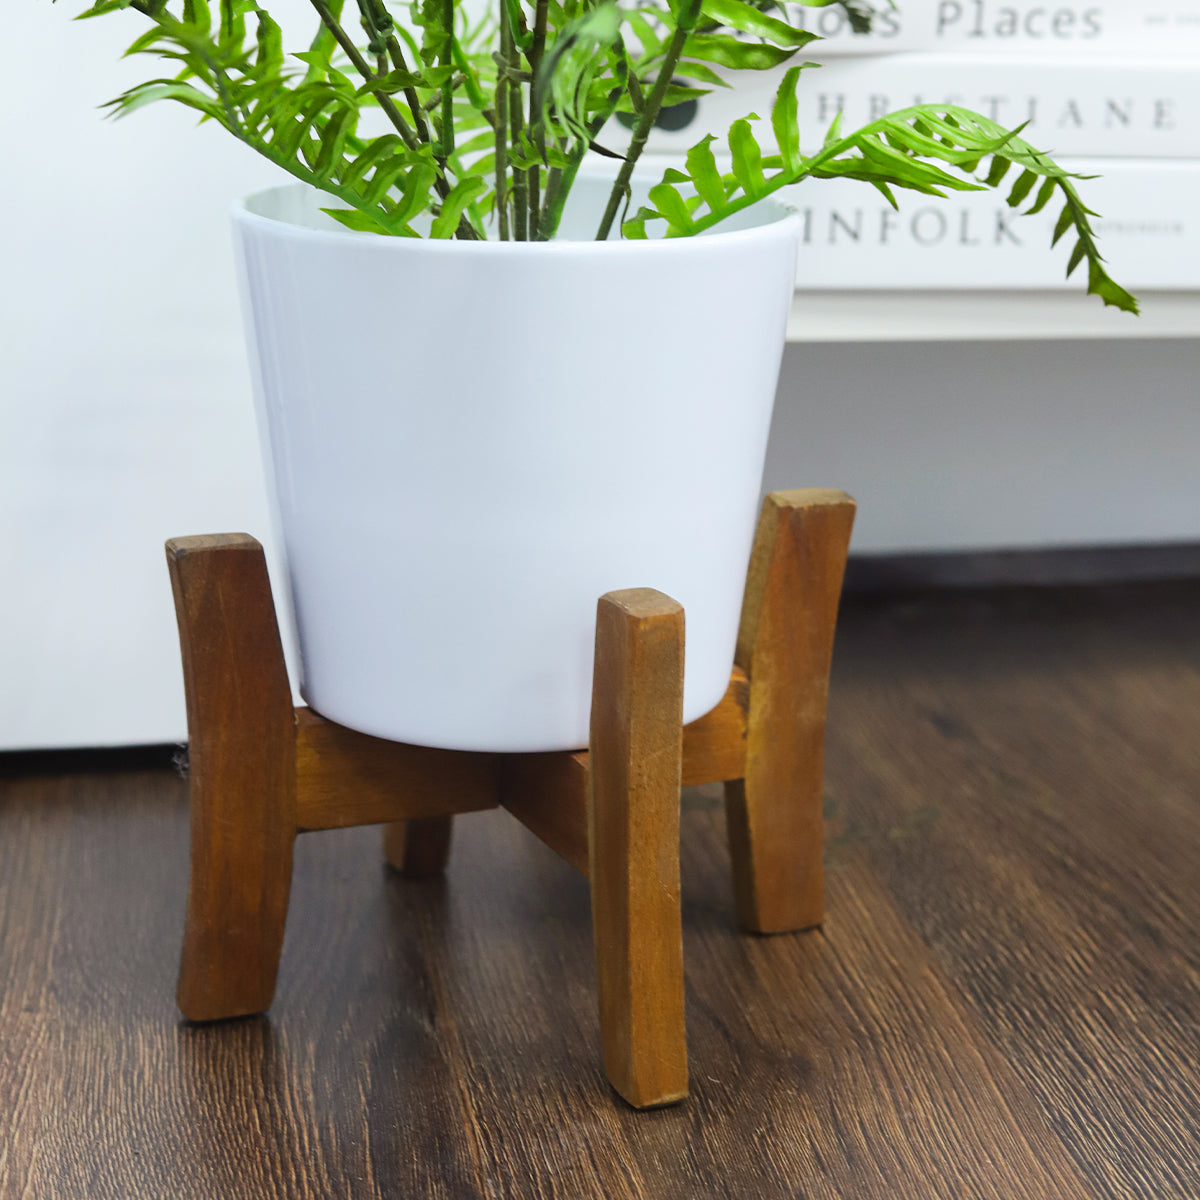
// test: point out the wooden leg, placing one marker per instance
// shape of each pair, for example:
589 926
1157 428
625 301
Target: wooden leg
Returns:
418 849
635 759
785 645
242 773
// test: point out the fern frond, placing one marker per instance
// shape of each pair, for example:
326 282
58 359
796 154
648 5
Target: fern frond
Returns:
453 143
909 149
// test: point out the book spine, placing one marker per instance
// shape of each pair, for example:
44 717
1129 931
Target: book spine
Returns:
1038 27
1149 234
1102 108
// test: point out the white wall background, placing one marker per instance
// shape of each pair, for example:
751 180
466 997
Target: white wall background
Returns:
974 445
125 412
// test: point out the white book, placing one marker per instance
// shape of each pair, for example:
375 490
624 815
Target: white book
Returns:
1050 27
1090 108
1149 234
1148 231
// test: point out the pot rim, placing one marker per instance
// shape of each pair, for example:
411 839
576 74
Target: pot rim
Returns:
784 223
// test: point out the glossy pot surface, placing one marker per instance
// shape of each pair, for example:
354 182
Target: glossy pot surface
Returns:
470 443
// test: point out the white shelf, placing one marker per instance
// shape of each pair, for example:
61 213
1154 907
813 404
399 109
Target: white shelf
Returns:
963 316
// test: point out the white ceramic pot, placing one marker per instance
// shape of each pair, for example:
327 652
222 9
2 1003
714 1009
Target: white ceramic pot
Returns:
472 442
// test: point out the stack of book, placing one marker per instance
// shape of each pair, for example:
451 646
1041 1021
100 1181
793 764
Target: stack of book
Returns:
1111 88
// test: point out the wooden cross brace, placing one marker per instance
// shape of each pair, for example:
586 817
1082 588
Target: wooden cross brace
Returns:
262 771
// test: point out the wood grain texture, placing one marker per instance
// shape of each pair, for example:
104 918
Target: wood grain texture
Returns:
714 746
1002 1002
1058 739
548 794
242 775
418 849
635 757
785 644
350 778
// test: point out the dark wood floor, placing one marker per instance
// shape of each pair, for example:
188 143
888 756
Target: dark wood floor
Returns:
1004 1001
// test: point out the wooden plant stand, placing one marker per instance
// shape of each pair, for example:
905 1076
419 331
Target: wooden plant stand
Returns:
262 771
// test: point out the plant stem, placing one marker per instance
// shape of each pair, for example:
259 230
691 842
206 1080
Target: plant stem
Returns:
465 230
470 80
502 140
688 16
561 179
516 120
446 142
382 21
558 187
520 177
363 68
636 96
551 206
540 20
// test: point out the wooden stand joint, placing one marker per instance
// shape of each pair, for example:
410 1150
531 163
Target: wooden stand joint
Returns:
262 771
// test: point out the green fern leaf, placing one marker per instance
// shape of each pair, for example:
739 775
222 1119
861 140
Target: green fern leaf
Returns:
196 14
454 205
165 89
671 205
1045 192
270 43
1065 220
389 146
360 222
736 14
697 72
785 121
729 52
1022 188
635 227
414 198
747 159
333 140
705 177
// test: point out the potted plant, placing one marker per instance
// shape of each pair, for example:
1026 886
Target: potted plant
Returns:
494 385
